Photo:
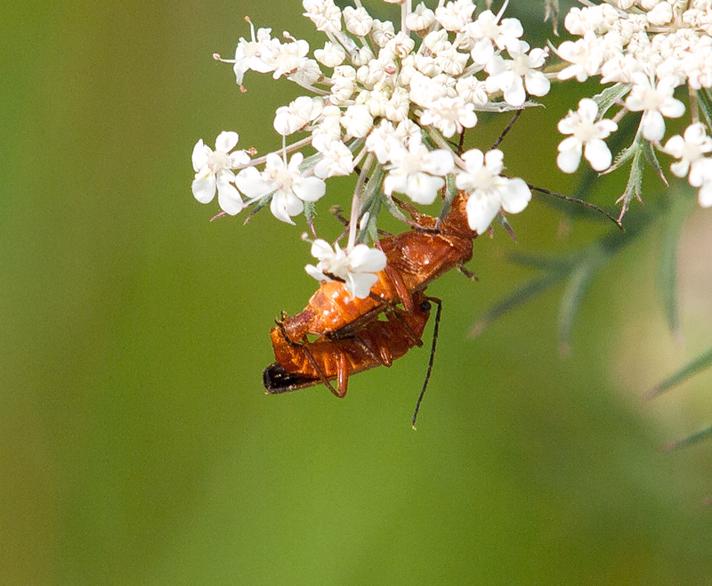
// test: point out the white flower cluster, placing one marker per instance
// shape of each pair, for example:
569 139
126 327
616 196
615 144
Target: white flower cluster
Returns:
649 48
384 104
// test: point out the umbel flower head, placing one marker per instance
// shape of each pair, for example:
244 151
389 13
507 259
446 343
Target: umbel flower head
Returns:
653 52
389 103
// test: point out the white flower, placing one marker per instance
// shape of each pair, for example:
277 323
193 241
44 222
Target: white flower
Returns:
325 15
289 187
357 120
357 267
705 195
585 55
489 191
337 159
289 58
331 55
586 135
450 115
249 54
511 76
690 150
660 14
383 140
418 172
382 32
655 101
213 171
299 113
358 22
455 16
420 19
487 33
472 90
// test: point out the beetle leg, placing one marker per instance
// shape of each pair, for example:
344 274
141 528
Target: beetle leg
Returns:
401 289
342 376
379 355
468 273
396 314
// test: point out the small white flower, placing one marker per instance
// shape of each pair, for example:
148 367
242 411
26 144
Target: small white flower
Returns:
420 19
511 76
585 55
655 101
704 196
418 172
489 191
382 32
455 16
357 267
357 121
487 33
382 141
213 172
661 14
337 159
472 90
690 150
299 113
358 22
289 58
331 55
325 15
249 55
289 187
586 136
450 116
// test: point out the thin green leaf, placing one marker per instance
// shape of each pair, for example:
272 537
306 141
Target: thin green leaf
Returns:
450 193
667 267
624 156
576 288
634 186
690 440
609 96
520 296
394 210
652 158
551 12
702 362
310 215
705 102
261 203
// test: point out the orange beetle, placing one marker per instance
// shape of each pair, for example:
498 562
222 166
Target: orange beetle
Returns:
414 259
376 343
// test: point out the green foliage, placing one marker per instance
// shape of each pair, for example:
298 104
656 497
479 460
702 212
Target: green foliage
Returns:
702 362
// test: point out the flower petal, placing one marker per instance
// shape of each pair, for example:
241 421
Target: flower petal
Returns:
481 210
568 160
226 141
597 153
516 195
309 188
200 155
367 260
229 199
204 188
249 181
321 249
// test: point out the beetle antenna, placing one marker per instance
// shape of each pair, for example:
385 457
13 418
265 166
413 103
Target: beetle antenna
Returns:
576 200
431 360
507 128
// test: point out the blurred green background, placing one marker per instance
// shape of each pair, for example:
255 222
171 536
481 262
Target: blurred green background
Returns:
136 445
